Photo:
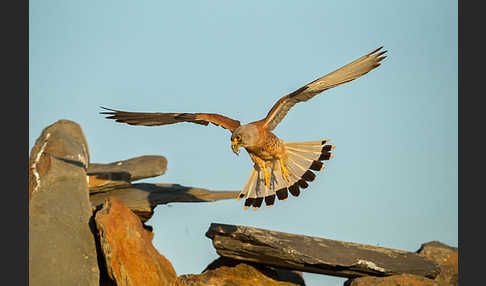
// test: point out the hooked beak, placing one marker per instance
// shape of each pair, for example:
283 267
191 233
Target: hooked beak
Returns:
235 145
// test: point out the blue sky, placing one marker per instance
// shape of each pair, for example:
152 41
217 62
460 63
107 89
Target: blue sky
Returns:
393 179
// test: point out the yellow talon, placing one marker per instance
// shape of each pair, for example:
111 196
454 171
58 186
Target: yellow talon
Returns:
285 172
267 176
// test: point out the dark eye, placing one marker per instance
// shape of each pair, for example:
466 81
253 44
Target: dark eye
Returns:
238 137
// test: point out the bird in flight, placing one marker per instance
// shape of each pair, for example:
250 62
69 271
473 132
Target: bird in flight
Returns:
279 167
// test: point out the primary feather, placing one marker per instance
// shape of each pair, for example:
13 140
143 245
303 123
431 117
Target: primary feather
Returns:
342 75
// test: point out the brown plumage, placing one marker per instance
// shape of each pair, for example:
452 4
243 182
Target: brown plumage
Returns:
280 167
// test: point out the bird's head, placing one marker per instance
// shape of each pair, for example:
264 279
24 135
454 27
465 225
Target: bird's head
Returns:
245 135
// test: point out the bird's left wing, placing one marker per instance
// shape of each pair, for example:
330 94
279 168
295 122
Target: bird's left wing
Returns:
342 75
155 119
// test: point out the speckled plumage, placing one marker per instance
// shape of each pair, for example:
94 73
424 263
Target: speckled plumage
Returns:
269 147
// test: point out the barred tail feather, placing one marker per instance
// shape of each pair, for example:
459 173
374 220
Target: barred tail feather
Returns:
250 183
302 159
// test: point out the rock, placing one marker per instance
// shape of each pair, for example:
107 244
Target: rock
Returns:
142 198
447 259
275 273
444 256
230 272
103 177
313 254
394 280
62 247
436 251
130 257
293 276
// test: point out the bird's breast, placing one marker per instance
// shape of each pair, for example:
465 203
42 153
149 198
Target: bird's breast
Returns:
268 148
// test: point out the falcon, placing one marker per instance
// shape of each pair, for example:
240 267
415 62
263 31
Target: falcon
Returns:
279 167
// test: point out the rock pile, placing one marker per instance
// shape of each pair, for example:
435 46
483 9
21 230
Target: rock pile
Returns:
86 227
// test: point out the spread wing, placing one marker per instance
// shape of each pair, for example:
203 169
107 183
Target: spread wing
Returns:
155 119
344 74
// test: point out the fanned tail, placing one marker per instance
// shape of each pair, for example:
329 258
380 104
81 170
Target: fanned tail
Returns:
302 159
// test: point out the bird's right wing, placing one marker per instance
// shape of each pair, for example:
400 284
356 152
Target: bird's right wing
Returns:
155 119
344 74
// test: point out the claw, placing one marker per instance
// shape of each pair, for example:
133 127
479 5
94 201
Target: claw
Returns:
267 176
284 171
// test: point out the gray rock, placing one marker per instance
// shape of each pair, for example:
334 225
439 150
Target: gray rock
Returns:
142 198
61 245
104 177
313 254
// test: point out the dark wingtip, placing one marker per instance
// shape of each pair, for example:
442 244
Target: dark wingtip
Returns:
377 55
106 108
109 112
381 58
370 53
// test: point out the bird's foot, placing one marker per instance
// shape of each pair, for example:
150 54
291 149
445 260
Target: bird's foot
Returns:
267 176
285 173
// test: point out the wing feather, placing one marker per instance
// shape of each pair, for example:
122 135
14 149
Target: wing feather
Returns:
157 119
342 75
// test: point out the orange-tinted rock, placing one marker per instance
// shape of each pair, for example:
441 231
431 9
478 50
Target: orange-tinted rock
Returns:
130 257
239 274
447 259
394 280
449 274
279 274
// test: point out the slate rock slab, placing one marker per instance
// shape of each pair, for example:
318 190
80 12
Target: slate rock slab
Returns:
62 247
142 198
314 254
103 177
130 257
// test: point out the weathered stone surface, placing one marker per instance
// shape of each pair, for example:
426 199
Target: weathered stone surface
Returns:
64 140
447 259
275 273
230 272
103 177
142 198
395 280
61 245
313 254
130 257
